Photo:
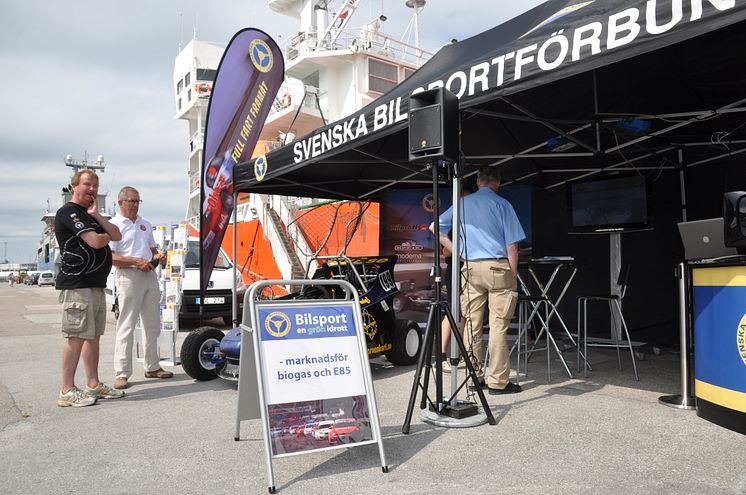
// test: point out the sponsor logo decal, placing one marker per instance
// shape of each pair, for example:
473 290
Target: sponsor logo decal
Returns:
428 203
741 339
370 326
277 324
261 55
380 348
409 246
397 227
260 168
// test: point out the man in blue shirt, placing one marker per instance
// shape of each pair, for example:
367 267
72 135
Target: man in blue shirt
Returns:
489 236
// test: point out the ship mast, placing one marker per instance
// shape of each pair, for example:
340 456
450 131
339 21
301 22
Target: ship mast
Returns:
84 164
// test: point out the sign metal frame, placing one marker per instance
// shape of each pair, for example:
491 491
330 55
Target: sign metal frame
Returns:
253 385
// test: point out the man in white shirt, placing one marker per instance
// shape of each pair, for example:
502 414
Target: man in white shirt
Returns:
136 257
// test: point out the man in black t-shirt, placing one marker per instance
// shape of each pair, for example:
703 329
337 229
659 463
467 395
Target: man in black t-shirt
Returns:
83 236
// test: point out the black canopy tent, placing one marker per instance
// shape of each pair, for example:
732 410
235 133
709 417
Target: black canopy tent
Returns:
572 73
520 87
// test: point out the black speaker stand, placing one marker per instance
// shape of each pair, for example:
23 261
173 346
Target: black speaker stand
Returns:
449 408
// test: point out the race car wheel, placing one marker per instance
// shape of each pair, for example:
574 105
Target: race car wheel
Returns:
197 352
406 343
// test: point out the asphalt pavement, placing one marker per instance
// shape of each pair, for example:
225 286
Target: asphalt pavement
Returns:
603 434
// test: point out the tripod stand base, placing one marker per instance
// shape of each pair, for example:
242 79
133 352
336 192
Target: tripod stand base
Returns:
462 415
460 411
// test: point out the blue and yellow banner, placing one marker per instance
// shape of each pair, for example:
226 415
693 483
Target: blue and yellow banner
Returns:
284 323
246 83
719 299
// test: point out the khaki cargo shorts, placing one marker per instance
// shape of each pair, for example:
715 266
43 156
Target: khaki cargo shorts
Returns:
83 313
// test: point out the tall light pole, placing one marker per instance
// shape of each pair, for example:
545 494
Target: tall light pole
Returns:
5 255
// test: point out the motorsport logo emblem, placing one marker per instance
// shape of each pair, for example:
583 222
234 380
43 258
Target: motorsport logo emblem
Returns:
260 168
76 221
408 245
741 338
277 324
427 203
370 326
261 55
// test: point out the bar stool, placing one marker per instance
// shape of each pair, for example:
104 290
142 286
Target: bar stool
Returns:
615 302
530 308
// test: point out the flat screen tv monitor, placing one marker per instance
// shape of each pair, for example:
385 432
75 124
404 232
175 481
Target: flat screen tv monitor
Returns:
609 205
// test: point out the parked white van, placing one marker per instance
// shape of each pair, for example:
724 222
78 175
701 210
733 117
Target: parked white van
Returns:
46 278
217 295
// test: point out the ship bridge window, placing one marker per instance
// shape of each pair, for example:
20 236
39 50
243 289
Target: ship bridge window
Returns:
187 79
382 76
206 74
179 87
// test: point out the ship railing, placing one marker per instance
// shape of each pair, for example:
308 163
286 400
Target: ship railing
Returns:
291 93
196 140
362 39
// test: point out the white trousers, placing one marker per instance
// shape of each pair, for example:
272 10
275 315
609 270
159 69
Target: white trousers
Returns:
139 297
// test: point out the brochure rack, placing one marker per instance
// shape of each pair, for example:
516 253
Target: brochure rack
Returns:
170 280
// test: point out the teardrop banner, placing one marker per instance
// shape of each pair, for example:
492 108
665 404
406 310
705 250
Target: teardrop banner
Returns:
246 84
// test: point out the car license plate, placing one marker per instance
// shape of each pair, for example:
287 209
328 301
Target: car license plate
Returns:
212 300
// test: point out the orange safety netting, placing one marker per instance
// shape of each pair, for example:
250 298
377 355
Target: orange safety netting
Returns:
348 227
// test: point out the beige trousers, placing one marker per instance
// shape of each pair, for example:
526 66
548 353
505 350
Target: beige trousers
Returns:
489 282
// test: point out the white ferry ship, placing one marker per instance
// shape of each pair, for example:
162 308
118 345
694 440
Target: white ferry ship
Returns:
335 65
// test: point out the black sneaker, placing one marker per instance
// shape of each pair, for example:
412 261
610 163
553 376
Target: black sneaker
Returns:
510 388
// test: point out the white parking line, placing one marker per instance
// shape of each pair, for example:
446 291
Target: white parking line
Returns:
43 307
44 318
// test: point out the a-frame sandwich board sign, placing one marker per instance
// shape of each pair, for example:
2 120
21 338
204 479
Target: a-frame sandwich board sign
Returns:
309 373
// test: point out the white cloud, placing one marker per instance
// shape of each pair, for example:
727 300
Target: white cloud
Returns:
95 76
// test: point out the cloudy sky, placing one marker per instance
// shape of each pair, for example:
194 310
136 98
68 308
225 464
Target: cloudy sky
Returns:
95 77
